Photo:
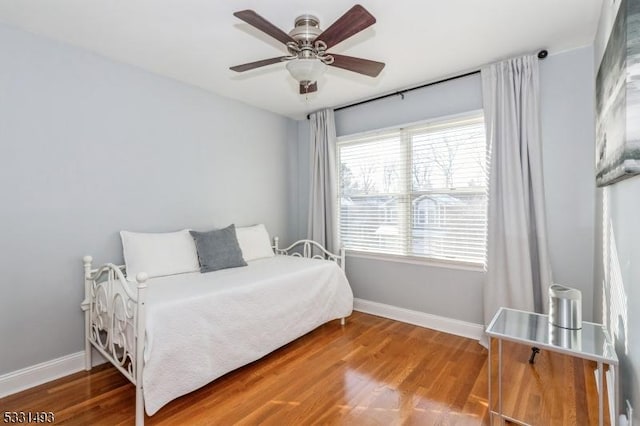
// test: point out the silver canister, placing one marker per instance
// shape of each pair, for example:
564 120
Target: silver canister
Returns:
565 307
563 337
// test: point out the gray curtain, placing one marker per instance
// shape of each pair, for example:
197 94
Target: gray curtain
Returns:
518 268
323 226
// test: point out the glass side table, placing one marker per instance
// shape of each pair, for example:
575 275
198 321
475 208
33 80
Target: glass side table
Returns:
592 342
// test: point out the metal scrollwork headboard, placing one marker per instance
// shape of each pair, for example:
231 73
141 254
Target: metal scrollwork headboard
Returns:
311 250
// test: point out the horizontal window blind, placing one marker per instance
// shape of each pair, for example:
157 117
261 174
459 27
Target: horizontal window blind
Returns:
418 191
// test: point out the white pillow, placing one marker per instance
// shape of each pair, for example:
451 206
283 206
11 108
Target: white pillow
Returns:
159 254
254 242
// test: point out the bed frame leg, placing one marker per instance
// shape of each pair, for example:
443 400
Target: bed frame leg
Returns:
141 279
343 321
139 406
86 306
87 355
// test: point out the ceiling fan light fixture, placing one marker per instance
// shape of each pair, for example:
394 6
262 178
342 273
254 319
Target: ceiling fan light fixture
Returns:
306 70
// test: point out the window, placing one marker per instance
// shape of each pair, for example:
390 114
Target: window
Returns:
419 191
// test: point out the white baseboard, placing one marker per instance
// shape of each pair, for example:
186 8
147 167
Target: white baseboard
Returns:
44 372
422 319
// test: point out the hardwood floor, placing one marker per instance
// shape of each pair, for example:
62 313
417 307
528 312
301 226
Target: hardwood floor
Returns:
373 371
556 390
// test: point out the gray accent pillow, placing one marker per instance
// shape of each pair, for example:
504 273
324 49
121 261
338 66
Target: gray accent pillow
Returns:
218 249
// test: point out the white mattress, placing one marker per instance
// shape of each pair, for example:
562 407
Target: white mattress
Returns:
201 326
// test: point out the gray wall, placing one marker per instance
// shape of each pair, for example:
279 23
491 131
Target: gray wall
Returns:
617 258
90 147
567 115
567 127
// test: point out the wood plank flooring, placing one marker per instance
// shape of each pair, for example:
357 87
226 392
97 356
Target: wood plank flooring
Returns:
373 371
556 390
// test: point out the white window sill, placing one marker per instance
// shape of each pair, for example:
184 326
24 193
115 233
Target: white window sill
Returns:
438 263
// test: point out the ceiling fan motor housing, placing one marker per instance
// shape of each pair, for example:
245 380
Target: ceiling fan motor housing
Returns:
307 29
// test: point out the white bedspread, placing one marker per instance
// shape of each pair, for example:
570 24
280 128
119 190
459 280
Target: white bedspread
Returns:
201 326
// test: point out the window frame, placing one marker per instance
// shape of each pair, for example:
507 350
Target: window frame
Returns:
343 140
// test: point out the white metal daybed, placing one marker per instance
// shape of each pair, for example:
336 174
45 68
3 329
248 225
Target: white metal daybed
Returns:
198 327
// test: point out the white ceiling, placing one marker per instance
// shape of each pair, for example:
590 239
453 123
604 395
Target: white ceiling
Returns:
196 41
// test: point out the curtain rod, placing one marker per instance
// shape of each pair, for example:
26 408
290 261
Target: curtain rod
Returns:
541 55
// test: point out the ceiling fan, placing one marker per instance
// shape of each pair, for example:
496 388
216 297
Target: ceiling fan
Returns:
307 45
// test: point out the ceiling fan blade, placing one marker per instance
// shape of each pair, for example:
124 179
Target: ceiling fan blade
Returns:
359 65
353 21
255 20
257 64
313 87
